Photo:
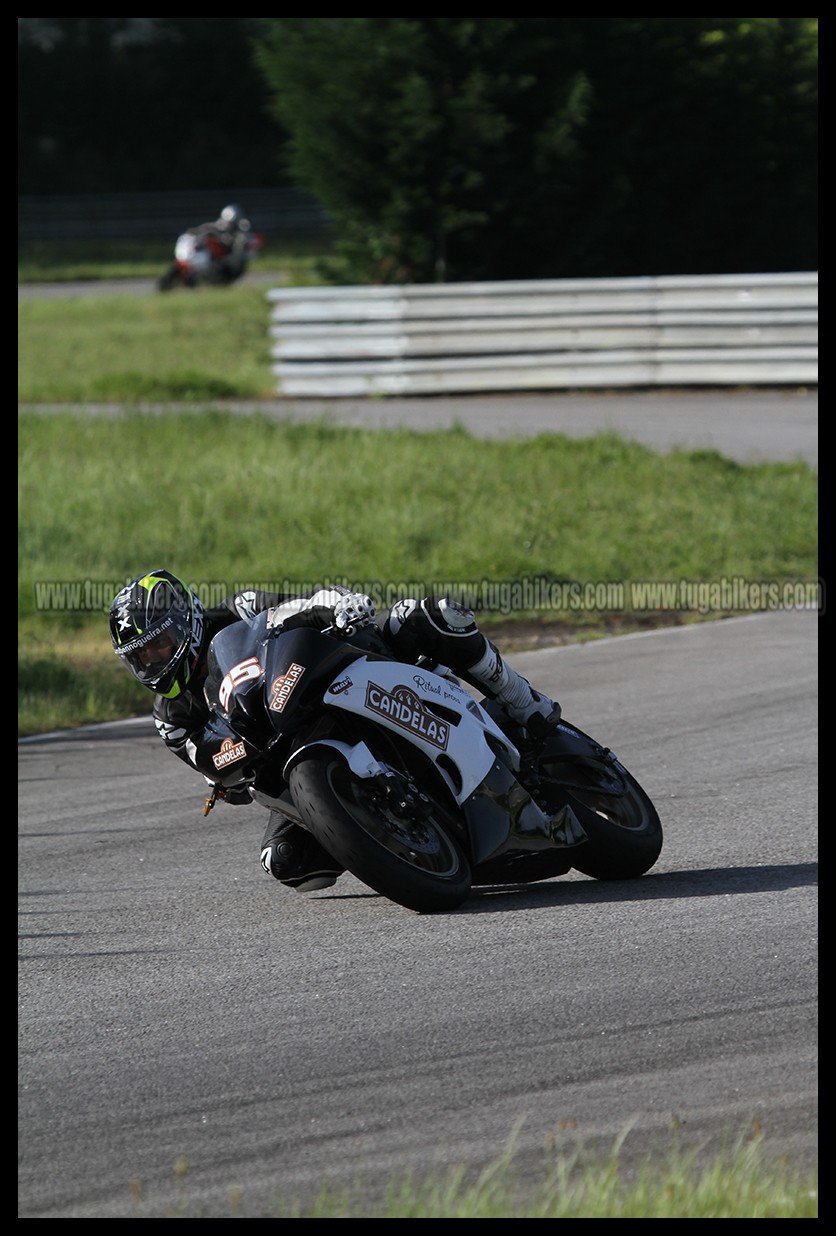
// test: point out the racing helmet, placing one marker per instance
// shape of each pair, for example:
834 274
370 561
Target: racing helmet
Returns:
156 627
232 216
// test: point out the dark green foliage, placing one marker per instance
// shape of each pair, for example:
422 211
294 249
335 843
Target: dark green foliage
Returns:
425 138
497 148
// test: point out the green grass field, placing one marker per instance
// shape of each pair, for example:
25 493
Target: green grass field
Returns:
227 500
594 534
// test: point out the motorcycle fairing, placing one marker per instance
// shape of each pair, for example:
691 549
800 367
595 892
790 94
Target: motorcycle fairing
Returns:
501 799
191 254
438 717
221 753
260 682
269 685
471 753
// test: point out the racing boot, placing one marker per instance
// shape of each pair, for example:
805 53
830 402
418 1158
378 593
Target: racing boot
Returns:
295 858
530 709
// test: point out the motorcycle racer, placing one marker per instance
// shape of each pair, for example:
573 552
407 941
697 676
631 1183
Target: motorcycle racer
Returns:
230 234
215 252
161 632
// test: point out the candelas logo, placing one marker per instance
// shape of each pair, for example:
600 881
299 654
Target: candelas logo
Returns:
406 709
283 686
230 752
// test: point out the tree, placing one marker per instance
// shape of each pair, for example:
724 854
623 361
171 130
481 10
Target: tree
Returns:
472 148
420 135
701 152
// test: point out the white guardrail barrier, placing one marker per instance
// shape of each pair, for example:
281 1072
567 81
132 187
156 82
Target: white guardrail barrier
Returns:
424 339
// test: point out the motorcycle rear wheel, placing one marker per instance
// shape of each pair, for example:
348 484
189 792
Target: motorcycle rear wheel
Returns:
401 844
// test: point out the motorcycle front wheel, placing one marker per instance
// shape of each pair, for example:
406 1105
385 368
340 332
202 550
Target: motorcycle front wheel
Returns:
384 831
169 279
623 829
624 835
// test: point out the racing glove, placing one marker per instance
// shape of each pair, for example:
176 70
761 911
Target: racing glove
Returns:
353 611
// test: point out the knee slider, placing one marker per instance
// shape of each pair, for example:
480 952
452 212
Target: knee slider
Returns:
449 617
435 627
457 640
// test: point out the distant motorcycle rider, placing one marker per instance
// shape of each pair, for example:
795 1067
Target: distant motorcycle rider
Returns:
161 632
228 236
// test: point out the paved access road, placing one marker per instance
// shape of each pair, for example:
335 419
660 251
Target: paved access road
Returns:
749 426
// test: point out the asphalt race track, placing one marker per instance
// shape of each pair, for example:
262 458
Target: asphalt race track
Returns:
178 1007
190 1032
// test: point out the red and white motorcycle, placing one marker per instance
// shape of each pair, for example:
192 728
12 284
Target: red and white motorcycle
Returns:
201 259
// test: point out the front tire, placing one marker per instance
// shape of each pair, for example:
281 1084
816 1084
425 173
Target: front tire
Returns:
384 832
169 279
624 836
624 832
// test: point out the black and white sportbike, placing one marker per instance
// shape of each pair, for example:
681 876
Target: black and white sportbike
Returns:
416 788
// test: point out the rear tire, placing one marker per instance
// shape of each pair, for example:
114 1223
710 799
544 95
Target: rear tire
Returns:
402 845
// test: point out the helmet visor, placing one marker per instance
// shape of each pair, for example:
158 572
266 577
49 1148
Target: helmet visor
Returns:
154 656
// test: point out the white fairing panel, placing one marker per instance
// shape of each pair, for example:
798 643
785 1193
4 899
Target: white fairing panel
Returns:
437 716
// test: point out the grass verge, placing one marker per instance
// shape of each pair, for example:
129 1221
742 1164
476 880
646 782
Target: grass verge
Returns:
738 1181
570 538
